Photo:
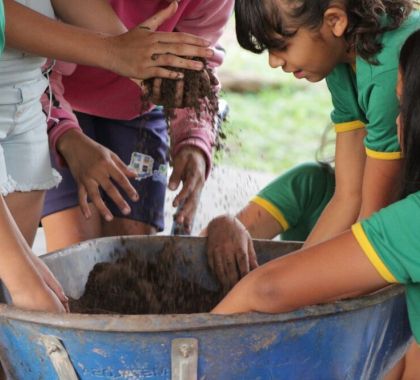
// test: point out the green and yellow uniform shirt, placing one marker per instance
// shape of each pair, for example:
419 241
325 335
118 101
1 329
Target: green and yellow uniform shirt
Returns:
2 25
297 198
390 239
364 96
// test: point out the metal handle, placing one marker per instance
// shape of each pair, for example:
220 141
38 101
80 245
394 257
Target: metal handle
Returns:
59 357
184 356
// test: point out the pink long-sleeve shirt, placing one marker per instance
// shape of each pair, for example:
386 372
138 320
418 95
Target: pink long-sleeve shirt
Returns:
102 93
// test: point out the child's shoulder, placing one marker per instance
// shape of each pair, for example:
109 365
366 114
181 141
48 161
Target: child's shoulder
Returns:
391 41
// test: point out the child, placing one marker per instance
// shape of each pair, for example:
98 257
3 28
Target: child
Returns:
377 251
290 206
109 112
25 169
355 49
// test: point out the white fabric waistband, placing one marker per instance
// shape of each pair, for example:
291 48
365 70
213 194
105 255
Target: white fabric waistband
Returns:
22 93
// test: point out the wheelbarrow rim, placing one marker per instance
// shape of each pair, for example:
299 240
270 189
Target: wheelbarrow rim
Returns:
191 322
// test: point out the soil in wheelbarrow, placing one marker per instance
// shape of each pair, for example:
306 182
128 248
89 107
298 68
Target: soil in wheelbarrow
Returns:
133 286
197 90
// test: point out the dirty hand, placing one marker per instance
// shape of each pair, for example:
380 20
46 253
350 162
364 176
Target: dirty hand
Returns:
37 298
50 280
180 100
143 53
230 250
189 166
93 167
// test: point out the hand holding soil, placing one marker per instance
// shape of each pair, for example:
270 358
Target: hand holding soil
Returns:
189 166
143 53
196 90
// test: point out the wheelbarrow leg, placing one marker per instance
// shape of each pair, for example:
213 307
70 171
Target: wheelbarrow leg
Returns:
184 359
59 358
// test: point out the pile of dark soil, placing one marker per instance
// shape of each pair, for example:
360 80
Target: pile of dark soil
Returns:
132 286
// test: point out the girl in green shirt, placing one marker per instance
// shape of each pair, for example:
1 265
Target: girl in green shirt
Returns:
354 45
375 252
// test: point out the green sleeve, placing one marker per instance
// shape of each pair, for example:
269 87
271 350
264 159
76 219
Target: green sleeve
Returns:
297 194
346 114
2 26
393 236
390 240
382 110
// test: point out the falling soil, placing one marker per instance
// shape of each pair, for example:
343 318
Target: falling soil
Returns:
196 90
133 286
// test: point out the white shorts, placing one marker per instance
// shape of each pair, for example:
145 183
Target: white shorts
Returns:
24 151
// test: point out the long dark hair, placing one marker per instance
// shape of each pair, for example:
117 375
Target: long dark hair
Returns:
410 113
260 24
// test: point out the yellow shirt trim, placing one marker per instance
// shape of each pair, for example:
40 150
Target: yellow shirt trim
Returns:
383 155
272 210
348 126
371 254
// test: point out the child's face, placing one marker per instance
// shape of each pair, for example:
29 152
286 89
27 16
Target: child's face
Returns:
313 54
309 55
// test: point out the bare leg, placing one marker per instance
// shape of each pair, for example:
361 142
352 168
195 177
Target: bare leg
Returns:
412 363
69 227
26 210
331 270
397 371
123 226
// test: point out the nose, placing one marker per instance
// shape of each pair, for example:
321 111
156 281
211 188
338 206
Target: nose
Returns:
275 60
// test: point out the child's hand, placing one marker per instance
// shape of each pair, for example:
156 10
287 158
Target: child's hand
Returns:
40 298
93 166
189 166
50 280
144 53
230 250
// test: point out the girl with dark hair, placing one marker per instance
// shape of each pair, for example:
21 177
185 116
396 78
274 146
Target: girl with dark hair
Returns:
354 45
375 252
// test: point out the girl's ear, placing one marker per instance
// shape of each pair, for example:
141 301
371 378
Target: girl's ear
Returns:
336 19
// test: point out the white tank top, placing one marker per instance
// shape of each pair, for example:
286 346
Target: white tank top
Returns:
17 67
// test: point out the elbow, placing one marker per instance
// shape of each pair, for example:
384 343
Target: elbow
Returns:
272 295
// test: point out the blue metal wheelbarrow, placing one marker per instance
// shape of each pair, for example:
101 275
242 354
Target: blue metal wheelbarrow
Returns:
353 339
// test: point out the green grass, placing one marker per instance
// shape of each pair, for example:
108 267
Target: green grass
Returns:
274 129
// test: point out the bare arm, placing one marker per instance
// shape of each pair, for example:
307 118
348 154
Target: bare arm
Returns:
344 208
129 54
18 272
380 185
259 222
305 278
53 39
90 14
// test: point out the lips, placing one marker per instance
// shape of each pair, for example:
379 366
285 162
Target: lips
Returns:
299 74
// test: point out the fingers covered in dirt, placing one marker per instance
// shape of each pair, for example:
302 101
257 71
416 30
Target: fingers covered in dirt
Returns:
189 167
143 53
95 167
230 250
